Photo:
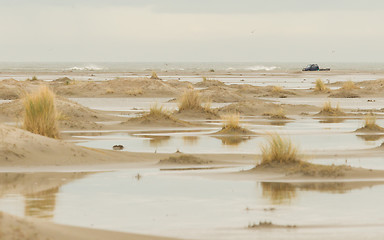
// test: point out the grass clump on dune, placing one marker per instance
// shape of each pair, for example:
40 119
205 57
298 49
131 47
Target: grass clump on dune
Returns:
281 154
157 110
278 113
40 114
349 85
231 121
320 86
231 125
191 100
154 76
277 89
279 150
330 111
370 124
158 115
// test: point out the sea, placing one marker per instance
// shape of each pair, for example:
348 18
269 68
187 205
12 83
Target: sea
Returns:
18 67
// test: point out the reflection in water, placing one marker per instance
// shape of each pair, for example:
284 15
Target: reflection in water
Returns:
38 189
190 140
331 120
278 193
86 134
332 187
278 123
232 140
371 137
157 141
41 204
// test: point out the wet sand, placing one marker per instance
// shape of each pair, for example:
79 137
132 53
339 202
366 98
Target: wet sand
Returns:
254 98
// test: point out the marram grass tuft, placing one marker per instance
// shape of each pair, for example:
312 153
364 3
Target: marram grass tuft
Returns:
40 114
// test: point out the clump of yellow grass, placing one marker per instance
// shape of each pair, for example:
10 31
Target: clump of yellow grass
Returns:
277 89
154 75
134 91
190 100
370 124
279 150
349 85
231 122
158 110
320 86
278 113
40 114
207 106
329 110
370 121
281 153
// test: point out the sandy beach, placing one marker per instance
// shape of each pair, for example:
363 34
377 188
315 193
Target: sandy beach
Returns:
189 145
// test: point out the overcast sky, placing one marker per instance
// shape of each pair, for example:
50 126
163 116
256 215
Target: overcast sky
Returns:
192 30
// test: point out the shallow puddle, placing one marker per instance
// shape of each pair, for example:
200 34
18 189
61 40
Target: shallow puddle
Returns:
376 163
130 104
178 205
344 103
205 143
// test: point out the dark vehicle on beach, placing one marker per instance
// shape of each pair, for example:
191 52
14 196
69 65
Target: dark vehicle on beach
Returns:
315 67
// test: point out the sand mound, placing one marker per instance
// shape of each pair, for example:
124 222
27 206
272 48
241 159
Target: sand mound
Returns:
184 159
65 80
234 131
249 89
116 88
273 91
20 147
344 94
209 83
372 85
302 168
14 228
259 107
276 115
71 114
331 112
221 94
179 84
250 108
371 128
13 89
196 114
161 119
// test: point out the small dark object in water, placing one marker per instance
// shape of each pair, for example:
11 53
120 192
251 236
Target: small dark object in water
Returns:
118 147
138 177
371 100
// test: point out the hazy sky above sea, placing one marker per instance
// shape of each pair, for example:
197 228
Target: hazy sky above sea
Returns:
192 30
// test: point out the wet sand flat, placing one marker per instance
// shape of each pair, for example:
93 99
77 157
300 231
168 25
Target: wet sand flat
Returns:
95 191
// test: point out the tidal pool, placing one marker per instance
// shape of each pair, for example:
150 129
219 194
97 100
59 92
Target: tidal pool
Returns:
130 104
344 103
199 143
173 203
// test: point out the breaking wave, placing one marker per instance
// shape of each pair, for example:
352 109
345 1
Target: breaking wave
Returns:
262 68
86 68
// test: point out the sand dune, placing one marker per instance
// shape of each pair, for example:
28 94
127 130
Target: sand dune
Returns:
14 228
